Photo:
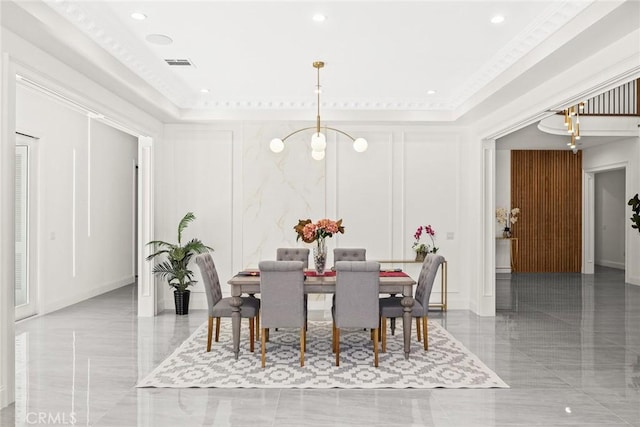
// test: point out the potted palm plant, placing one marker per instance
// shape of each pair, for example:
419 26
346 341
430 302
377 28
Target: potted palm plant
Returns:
634 202
175 268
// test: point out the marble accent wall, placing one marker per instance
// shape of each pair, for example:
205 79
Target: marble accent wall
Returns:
279 189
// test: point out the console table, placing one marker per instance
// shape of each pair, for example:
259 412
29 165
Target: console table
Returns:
443 282
513 250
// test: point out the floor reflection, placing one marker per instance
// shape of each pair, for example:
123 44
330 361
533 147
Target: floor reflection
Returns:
568 345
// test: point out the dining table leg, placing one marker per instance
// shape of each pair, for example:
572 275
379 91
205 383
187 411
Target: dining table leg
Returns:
235 303
407 304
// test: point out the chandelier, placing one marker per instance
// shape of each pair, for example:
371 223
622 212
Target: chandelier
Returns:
572 123
318 139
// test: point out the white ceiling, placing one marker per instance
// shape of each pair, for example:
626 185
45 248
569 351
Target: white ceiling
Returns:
381 57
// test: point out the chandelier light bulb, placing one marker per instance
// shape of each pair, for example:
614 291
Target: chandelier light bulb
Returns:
276 145
317 155
360 145
318 141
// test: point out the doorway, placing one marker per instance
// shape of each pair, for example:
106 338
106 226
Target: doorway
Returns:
26 288
610 220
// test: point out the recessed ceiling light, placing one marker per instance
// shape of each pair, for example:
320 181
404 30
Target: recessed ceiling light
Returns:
204 90
431 92
318 17
139 16
497 19
159 39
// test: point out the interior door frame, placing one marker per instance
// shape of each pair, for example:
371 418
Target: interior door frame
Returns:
588 215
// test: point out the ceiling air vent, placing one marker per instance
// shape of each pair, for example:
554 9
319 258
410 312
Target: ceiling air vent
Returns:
179 62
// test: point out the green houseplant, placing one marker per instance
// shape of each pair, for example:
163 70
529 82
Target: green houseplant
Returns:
634 202
175 268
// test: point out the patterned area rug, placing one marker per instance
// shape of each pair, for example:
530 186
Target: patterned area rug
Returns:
447 364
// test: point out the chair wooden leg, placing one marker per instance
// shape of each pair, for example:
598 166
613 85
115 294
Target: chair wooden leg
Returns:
375 347
258 326
383 327
209 332
426 333
251 332
305 340
264 347
217 329
333 337
418 329
303 344
337 346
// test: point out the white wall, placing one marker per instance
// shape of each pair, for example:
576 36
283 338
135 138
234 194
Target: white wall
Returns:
620 154
248 199
7 232
610 218
86 198
18 56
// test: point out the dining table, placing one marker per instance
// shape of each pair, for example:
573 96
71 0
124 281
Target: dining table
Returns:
391 282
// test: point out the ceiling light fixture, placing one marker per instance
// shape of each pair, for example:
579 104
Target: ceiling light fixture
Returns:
572 123
204 90
139 16
318 17
497 19
318 139
431 92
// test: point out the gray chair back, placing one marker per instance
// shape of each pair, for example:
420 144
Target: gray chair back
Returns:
426 278
349 254
282 294
357 289
210 279
293 254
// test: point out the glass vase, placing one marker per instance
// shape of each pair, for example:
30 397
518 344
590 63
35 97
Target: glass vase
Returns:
320 256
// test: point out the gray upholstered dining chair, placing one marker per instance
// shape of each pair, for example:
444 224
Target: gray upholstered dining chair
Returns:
349 254
221 307
293 254
392 307
282 297
356 302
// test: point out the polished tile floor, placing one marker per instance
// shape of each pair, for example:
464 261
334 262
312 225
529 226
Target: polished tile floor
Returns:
568 345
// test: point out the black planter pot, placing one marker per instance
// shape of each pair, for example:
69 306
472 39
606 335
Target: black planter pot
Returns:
181 298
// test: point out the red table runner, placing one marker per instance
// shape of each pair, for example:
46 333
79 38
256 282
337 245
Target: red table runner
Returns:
311 273
393 274
330 273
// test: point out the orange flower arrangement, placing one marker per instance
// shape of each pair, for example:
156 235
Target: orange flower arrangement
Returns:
309 232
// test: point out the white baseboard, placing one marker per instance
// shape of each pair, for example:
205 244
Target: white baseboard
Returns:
50 306
610 264
634 280
503 270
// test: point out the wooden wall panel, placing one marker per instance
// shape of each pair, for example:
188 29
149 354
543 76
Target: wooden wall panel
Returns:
547 187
